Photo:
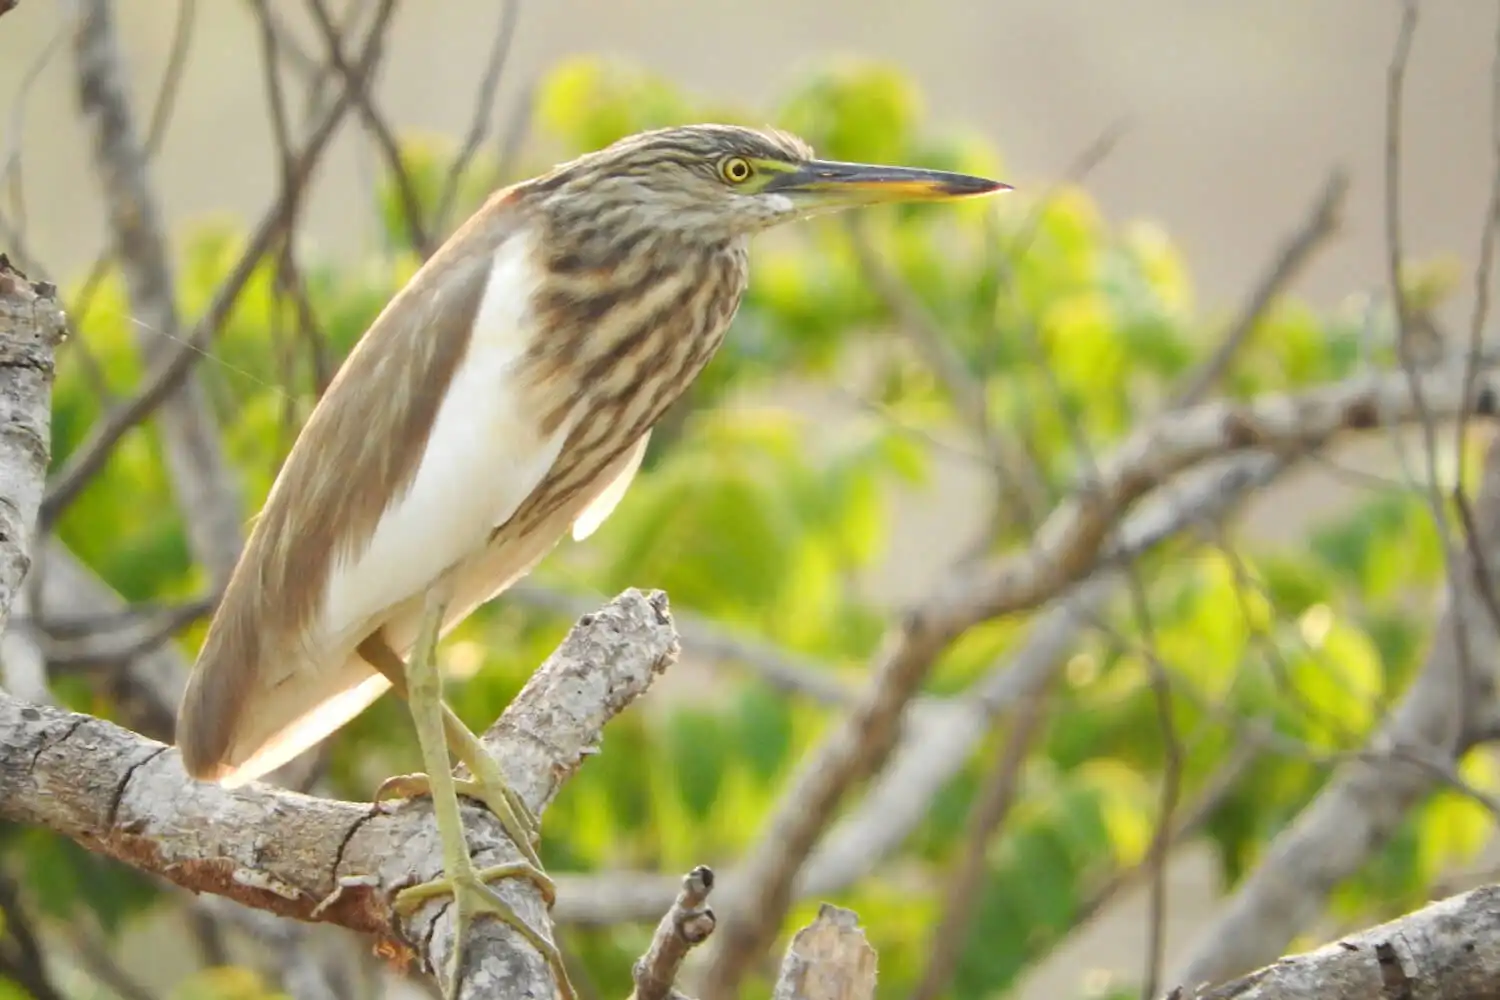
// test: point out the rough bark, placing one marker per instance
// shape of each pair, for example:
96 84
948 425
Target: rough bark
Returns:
314 859
828 960
31 327
1447 951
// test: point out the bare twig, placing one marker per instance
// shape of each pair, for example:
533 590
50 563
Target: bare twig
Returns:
1187 822
1395 84
1482 276
291 961
1320 224
171 77
685 926
133 638
1171 783
1484 267
14 232
165 375
94 954
356 84
484 105
201 476
21 957
1017 478
703 639
146 691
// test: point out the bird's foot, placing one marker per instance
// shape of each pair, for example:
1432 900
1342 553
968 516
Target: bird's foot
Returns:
520 823
471 897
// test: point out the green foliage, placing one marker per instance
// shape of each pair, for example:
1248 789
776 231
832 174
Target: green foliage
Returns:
1070 323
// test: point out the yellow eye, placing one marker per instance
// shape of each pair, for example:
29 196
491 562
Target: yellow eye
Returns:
736 170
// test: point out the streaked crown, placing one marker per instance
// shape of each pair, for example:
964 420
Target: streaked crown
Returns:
695 183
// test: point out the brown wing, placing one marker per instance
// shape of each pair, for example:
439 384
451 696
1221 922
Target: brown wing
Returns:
261 677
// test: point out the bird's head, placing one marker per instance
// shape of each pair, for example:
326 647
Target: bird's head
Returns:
718 182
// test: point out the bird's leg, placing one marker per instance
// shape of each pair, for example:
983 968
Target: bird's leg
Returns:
488 785
424 689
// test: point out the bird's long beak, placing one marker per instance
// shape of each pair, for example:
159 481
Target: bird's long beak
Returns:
827 183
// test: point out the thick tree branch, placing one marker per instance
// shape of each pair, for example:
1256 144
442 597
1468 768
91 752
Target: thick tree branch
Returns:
31 327
1450 950
206 487
316 859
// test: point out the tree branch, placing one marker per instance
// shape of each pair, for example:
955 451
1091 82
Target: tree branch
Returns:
1366 800
1321 223
207 493
379 129
314 859
167 373
31 327
1450 949
686 925
1066 550
828 960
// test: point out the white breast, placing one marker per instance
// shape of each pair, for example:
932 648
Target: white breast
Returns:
484 457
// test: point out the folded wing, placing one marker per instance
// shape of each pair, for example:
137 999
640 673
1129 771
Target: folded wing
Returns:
421 445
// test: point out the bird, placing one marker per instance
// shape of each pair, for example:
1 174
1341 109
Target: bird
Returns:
501 400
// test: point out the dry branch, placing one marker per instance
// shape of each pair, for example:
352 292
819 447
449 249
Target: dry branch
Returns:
828 960
686 925
1449 950
1444 713
31 327
314 859
705 640
1067 549
1320 224
205 486
380 130
165 375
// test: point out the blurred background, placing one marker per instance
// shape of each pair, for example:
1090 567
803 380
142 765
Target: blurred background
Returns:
1200 138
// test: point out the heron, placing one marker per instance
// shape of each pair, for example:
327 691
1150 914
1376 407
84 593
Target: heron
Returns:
501 400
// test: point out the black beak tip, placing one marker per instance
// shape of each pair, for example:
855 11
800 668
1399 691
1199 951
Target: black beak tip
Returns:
966 185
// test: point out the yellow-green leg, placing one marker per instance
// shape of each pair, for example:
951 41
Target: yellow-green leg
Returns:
424 689
488 785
